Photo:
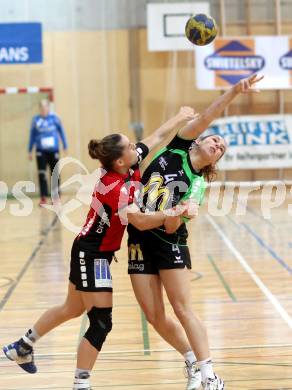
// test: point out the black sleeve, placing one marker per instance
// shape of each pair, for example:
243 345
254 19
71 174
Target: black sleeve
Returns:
142 151
180 143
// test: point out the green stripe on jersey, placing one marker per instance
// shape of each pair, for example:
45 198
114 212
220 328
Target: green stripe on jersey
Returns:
198 186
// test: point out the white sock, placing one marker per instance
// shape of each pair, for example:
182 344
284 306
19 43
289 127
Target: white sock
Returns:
81 373
206 368
31 335
190 357
27 341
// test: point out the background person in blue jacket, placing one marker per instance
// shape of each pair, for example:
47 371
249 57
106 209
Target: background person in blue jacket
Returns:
45 133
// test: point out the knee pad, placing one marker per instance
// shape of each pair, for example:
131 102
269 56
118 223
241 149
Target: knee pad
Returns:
100 324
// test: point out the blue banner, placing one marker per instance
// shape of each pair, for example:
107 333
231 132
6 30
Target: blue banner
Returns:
20 43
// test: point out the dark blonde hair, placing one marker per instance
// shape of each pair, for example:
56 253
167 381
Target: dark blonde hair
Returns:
209 172
106 150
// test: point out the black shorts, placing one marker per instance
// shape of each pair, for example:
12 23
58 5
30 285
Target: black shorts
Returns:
148 254
90 272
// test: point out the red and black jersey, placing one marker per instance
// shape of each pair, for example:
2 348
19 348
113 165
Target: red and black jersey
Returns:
103 230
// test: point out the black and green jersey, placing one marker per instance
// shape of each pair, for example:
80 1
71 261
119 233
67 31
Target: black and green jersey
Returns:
169 179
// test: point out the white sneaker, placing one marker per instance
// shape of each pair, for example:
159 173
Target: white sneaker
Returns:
82 383
194 376
213 384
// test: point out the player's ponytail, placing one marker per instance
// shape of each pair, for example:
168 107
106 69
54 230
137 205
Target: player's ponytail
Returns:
106 150
209 173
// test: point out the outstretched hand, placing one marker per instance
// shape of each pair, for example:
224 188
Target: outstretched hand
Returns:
247 85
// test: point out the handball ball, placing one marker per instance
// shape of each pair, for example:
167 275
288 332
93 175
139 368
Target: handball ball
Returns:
201 29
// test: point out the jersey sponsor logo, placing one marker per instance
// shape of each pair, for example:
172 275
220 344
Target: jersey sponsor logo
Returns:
135 252
102 273
104 221
160 191
157 193
136 267
163 163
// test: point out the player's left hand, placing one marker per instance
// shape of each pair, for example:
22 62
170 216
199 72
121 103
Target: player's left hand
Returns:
247 85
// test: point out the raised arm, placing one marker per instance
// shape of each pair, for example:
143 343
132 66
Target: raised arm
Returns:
197 126
184 115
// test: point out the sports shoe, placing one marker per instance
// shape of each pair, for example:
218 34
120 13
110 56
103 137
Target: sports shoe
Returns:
42 201
82 383
213 384
193 373
22 354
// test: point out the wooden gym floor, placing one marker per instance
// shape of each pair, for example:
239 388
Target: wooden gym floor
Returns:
241 287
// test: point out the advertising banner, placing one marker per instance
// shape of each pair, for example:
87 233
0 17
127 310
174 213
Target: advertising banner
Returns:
225 61
20 43
254 142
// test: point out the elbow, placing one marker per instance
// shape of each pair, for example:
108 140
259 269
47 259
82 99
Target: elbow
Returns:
170 229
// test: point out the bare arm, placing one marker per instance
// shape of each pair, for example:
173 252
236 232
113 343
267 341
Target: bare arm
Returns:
193 129
171 224
188 209
184 115
140 220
